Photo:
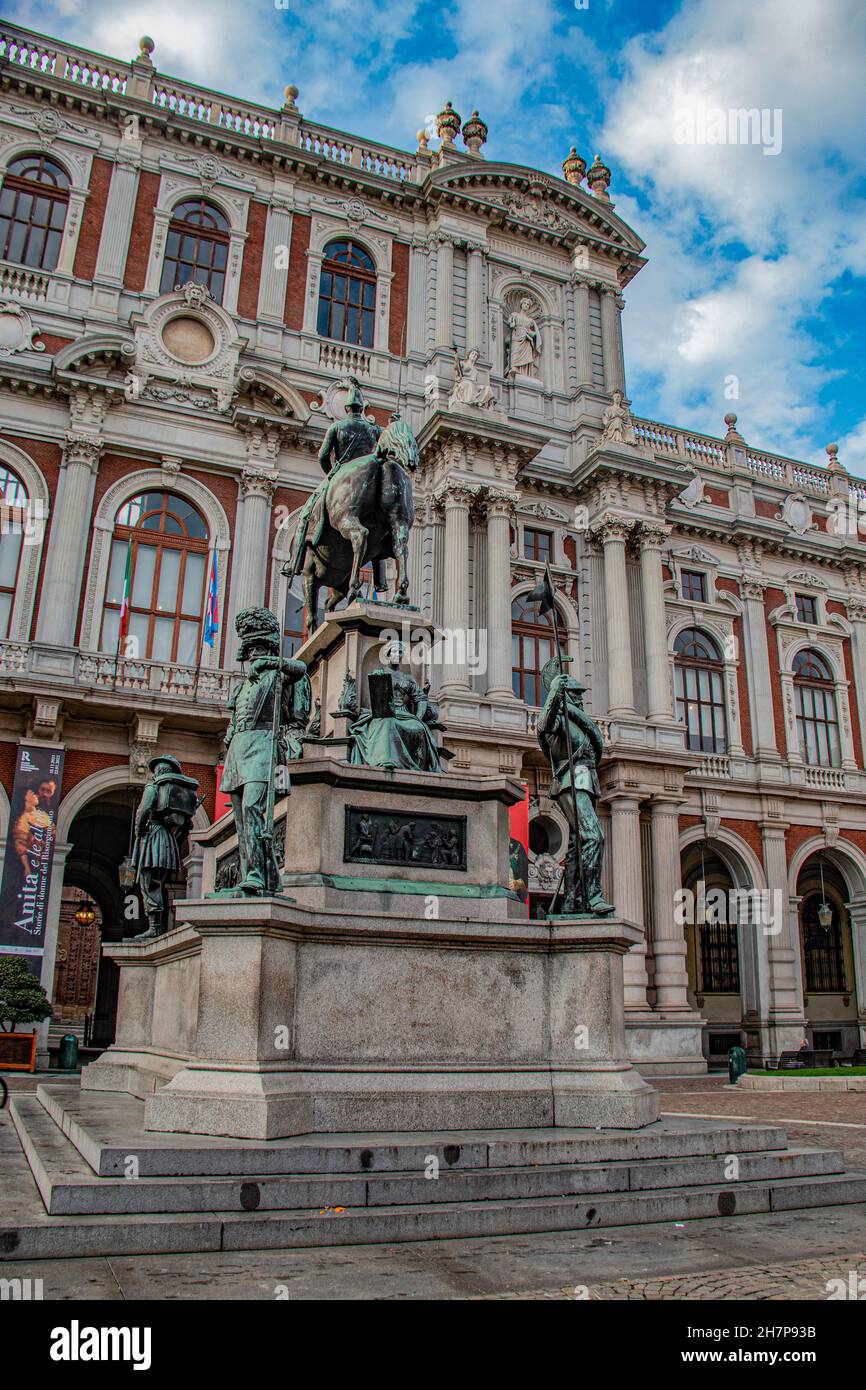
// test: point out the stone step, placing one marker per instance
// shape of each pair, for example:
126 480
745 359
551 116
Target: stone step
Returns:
69 1187
107 1127
44 1237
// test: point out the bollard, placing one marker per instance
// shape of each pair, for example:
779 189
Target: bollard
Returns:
737 1064
67 1057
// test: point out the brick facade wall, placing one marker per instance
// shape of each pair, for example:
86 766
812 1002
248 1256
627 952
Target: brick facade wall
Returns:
94 216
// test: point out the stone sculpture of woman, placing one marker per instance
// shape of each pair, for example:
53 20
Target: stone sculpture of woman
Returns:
525 341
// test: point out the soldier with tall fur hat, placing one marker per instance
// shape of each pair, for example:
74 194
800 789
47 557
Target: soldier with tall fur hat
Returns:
272 702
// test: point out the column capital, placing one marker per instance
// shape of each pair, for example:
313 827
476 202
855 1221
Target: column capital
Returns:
457 496
258 482
651 535
752 586
609 529
499 502
81 447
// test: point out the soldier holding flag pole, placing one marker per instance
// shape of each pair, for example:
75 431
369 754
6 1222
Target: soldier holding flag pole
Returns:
572 743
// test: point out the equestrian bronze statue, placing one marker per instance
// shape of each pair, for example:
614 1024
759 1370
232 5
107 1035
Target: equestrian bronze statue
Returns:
361 514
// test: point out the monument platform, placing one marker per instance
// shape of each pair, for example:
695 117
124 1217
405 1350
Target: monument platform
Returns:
91 1180
259 1019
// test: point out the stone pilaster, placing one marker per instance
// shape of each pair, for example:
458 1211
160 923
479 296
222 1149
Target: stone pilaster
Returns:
500 508
613 532
275 261
474 301
252 553
116 228
651 538
669 943
583 335
780 979
457 498
444 292
627 871
67 546
611 338
758 667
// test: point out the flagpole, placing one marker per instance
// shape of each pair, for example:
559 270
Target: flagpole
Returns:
209 613
125 605
569 746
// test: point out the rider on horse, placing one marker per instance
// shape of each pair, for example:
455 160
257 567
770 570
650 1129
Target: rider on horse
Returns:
347 439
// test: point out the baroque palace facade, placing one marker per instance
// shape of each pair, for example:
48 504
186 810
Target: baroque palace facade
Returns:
186 283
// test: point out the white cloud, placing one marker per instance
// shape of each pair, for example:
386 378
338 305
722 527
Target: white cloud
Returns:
743 248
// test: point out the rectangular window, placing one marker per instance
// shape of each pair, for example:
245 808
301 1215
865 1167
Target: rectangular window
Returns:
693 586
807 608
537 545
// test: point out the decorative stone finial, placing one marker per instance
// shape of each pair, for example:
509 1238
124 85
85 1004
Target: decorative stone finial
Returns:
291 96
733 435
423 141
833 462
574 167
598 178
474 134
448 124
145 48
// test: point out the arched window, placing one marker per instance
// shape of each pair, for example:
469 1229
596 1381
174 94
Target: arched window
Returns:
823 957
532 646
33 203
13 513
197 247
817 722
347 294
164 541
699 682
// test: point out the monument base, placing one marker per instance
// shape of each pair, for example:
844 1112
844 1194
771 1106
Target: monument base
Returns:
336 1022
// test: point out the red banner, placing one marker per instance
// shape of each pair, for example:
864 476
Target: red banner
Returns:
518 849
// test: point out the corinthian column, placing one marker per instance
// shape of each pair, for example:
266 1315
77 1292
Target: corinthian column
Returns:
652 538
613 534
70 531
275 267
500 506
251 555
457 498
626 864
669 942
758 667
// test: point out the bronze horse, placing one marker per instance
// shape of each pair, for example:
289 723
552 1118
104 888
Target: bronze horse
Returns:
364 518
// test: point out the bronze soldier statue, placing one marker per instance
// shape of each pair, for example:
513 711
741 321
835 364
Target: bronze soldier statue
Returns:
572 743
162 821
347 439
268 711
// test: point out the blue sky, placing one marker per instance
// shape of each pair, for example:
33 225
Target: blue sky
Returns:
756 282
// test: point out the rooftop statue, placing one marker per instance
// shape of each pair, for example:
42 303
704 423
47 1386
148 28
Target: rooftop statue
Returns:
361 513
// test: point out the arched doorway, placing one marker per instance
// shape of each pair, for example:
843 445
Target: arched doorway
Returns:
84 982
713 947
827 954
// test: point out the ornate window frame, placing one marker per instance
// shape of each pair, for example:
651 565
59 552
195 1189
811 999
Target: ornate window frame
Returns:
51 286
216 185
21 617
150 480
793 639
326 228
719 627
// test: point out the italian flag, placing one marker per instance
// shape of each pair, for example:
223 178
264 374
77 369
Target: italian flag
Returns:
125 600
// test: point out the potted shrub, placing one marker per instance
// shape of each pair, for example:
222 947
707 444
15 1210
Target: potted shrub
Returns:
22 1000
